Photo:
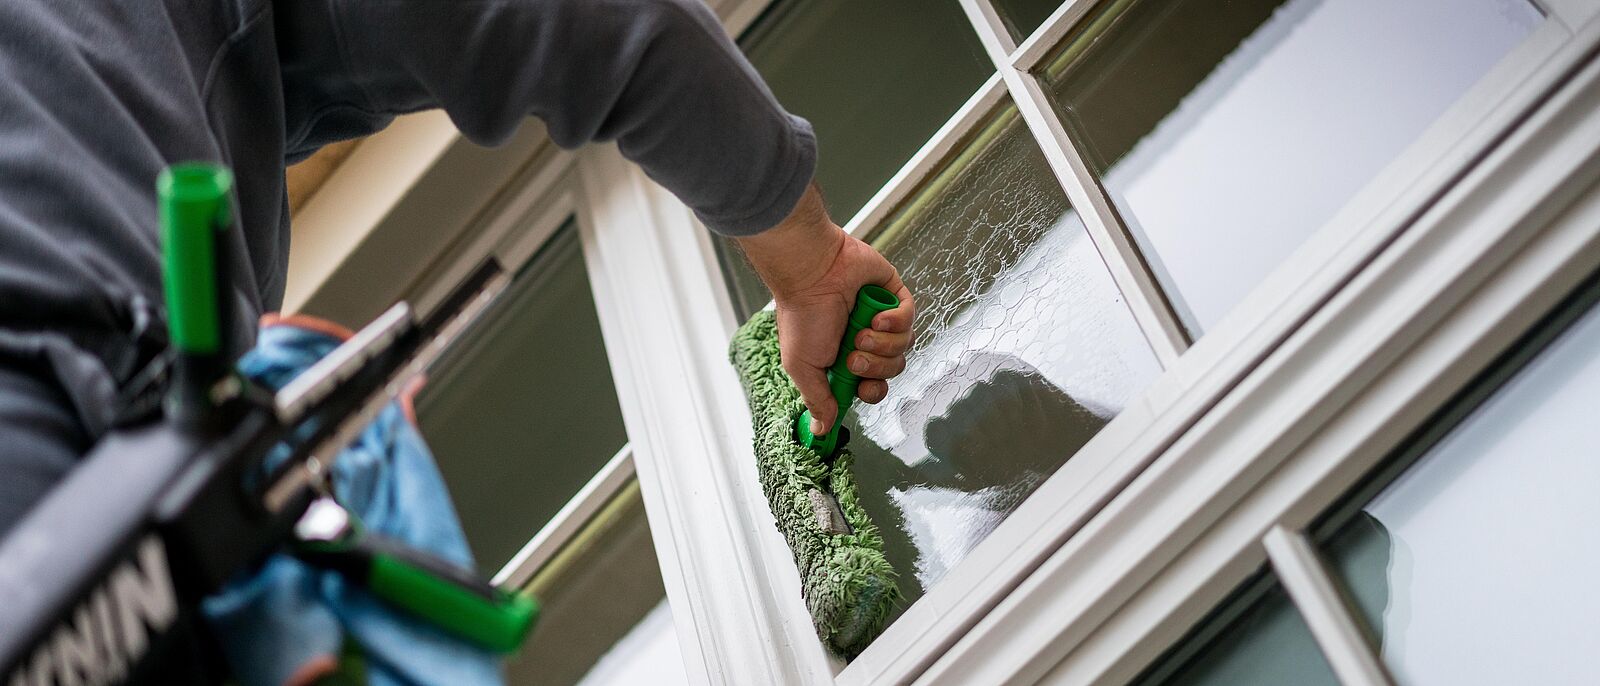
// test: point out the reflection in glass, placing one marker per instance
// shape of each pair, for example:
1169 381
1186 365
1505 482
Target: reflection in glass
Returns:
1024 350
1228 131
1256 637
875 79
604 619
512 449
1490 537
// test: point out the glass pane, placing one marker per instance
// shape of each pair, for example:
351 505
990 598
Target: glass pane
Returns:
1477 565
1023 16
1228 131
1024 350
604 619
1256 637
875 79
523 412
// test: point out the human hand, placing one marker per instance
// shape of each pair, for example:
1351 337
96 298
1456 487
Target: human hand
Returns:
814 270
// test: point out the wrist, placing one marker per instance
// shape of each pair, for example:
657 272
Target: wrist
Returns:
796 253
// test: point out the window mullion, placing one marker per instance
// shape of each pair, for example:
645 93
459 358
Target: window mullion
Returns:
1336 631
991 29
1044 39
1128 269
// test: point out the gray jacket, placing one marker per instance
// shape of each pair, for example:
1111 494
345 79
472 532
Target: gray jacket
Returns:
99 95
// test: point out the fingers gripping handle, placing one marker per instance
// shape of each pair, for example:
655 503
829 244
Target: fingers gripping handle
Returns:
870 300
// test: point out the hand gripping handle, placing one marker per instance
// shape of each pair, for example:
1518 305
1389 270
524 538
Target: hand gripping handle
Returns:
870 300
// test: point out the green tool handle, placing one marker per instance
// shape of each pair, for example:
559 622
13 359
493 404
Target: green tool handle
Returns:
444 594
451 598
870 300
195 206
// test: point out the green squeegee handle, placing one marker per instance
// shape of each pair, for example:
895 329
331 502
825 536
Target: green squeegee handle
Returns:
870 300
195 205
431 588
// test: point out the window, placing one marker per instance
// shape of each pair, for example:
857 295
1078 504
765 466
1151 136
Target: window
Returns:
1472 563
1226 132
1119 185
604 619
524 418
1256 637
523 412
1072 475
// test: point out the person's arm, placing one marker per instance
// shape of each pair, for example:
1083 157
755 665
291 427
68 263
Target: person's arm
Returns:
658 76
814 270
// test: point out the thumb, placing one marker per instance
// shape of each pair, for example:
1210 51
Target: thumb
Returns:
818 397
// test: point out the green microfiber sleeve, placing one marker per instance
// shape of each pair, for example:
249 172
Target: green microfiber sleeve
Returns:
848 584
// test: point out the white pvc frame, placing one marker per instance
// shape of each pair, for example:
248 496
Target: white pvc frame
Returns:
1194 384
1456 288
666 317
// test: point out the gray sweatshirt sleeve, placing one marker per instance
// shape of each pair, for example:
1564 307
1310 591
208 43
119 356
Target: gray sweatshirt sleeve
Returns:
660 77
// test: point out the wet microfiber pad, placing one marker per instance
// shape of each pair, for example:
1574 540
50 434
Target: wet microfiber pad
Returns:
847 583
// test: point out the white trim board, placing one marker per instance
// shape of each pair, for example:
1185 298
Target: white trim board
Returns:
735 598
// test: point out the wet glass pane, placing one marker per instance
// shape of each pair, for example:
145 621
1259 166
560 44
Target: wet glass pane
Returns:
1024 349
875 79
522 412
604 619
1023 16
1255 638
1477 565
1228 131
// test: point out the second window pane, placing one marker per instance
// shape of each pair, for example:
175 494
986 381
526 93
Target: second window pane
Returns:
1024 350
1477 564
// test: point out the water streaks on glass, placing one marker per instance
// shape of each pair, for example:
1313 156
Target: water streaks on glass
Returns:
1024 349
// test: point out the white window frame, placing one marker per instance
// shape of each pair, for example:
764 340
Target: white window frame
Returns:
666 317
1455 289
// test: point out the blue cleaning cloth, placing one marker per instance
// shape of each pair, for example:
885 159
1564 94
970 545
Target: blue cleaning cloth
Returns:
288 614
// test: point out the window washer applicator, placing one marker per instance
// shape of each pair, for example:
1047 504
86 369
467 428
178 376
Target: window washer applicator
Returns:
848 584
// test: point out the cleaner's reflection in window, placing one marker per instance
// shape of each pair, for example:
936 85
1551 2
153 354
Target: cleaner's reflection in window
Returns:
985 453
